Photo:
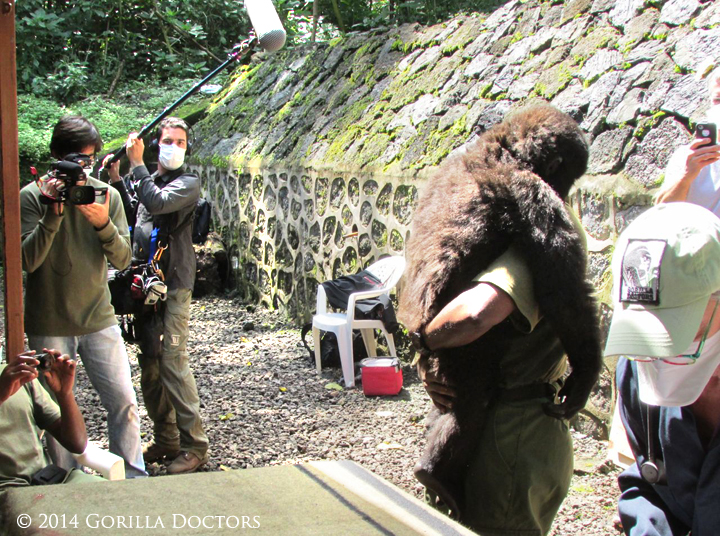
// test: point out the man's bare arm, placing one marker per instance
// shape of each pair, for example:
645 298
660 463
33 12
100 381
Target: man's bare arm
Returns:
468 317
69 429
464 320
697 156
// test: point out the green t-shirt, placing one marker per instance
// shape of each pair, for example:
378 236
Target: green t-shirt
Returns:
21 451
535 354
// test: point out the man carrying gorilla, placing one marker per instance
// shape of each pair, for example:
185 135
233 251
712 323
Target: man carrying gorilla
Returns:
495 296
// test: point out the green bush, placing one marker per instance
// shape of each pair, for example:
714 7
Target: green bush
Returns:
68 50
134 105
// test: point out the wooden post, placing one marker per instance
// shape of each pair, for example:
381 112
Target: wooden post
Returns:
10 184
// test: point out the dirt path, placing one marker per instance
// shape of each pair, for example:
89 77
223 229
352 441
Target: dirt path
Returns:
263 404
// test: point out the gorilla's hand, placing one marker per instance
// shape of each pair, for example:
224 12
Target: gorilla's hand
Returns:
573 395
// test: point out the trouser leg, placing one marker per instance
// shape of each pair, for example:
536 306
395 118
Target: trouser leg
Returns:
157 403
108 368
177 379
520 473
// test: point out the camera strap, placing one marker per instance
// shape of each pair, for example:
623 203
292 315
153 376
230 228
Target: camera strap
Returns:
653 470
160 238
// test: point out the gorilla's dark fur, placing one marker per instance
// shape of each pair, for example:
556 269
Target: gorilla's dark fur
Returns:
506 189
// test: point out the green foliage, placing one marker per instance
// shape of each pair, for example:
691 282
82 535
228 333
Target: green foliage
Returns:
67 50
74 48
657 116
517 36
135 105
36 117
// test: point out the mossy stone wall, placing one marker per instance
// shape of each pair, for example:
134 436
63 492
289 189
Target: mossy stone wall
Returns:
306 147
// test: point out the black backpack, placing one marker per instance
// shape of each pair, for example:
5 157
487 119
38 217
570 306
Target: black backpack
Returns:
338 292
201 221
379 308
329 351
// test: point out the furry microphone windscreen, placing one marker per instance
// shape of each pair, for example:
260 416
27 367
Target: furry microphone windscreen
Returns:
267 25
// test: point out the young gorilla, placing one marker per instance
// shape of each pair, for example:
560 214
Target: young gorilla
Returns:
507 188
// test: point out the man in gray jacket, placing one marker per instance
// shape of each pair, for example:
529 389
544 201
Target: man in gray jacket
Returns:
167 200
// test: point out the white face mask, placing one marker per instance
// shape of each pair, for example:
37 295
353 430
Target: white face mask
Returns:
664 384
171 157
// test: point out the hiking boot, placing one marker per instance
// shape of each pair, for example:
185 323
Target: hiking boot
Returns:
152 452
186 462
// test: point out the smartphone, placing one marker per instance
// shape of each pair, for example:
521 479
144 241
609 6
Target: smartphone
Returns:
707 130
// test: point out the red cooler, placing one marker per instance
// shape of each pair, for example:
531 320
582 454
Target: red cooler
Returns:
381 376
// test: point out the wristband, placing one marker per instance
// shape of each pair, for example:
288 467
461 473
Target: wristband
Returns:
419 344
103 226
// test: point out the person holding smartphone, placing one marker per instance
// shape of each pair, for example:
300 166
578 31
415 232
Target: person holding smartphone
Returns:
693 173
25 407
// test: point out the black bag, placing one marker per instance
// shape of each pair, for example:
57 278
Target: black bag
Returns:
379 308
121 294
201 221
149 326
50 474
329 351
129 288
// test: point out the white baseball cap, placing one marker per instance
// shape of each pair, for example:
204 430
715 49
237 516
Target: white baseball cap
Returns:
665 268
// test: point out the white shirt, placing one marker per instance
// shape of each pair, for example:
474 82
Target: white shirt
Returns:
704 190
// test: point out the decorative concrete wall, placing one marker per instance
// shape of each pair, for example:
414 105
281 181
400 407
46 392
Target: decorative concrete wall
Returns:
305 147
290 231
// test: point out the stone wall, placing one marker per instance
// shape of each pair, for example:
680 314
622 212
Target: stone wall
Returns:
306 147
289 231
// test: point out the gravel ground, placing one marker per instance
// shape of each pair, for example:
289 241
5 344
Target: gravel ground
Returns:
263 404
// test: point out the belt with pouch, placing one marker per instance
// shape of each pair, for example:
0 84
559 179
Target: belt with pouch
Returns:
528 392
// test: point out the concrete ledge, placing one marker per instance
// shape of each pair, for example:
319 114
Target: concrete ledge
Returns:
316 498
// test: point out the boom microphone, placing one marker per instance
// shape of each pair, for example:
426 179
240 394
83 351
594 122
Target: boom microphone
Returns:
266 23
269 34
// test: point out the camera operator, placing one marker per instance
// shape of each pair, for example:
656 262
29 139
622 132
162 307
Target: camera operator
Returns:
693 172
65 248
167 200
25 406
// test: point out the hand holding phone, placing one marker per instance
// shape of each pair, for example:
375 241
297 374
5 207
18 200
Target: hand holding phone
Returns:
707 131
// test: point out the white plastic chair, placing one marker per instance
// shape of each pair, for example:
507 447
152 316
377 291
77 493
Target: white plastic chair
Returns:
389 271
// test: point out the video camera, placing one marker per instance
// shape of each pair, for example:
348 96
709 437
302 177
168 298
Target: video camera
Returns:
61 183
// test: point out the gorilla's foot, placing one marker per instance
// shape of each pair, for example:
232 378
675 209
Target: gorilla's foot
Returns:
444 491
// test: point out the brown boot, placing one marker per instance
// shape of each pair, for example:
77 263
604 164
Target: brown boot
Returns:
152 452
186 462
